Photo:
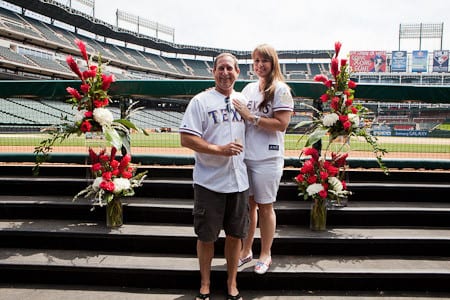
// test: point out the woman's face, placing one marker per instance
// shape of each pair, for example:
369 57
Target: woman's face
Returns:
262 66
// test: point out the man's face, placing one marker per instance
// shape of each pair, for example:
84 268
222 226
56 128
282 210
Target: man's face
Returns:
225 73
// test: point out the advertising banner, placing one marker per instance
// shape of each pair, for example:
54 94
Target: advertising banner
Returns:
440 61
399 61
419 61
368 61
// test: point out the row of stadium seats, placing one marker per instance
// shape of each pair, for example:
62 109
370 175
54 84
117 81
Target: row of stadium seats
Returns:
139 63
18 111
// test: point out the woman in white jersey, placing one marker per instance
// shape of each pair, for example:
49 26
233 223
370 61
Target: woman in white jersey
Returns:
268 114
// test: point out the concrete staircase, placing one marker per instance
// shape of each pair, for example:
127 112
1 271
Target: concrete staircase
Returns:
394 236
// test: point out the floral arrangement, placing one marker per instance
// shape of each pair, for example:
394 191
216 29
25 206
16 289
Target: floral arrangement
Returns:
321 179
91 101
113 178
345 119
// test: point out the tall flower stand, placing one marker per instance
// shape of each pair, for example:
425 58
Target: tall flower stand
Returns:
318 216
114 213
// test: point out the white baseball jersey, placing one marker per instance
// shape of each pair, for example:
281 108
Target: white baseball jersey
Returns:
213 118
260 143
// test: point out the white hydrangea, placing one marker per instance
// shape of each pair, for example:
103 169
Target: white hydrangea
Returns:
121 184
79 115
335 183
103 116
314 189
354 118
96 183
330 119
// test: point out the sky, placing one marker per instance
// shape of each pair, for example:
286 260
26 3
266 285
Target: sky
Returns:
287 24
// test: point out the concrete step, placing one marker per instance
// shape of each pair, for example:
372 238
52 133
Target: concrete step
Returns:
396 212
180 239
396 173
90 292
392 238
182 188
149 270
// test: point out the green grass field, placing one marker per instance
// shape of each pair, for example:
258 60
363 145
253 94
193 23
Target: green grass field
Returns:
444 126
292 142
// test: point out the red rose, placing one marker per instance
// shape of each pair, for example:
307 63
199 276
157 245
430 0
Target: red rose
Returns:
127 175
101 102
321 78
85 87
85 126
107 185
323 194
339 159
96 167
114 164
343 118
312 179
106 81
347 125
324 97
107 176
323 175
89 74
335 103
308 167
312 152
352 84
299 178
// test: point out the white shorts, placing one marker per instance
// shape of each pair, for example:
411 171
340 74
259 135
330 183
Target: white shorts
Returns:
264 178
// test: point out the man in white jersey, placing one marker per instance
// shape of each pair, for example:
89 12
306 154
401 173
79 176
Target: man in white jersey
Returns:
216 132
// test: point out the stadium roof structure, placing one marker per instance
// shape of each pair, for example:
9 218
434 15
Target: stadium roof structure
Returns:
68 15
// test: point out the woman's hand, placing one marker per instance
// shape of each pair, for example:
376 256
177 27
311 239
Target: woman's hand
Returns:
242 110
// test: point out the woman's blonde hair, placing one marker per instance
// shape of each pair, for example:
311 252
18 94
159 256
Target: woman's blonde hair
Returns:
268 52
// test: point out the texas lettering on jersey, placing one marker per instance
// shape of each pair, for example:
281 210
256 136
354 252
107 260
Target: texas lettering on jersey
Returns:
223 115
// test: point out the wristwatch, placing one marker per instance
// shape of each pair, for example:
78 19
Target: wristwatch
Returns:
256 120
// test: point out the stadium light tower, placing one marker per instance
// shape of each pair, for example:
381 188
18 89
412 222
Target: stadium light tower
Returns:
141 22
420 31
88 3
